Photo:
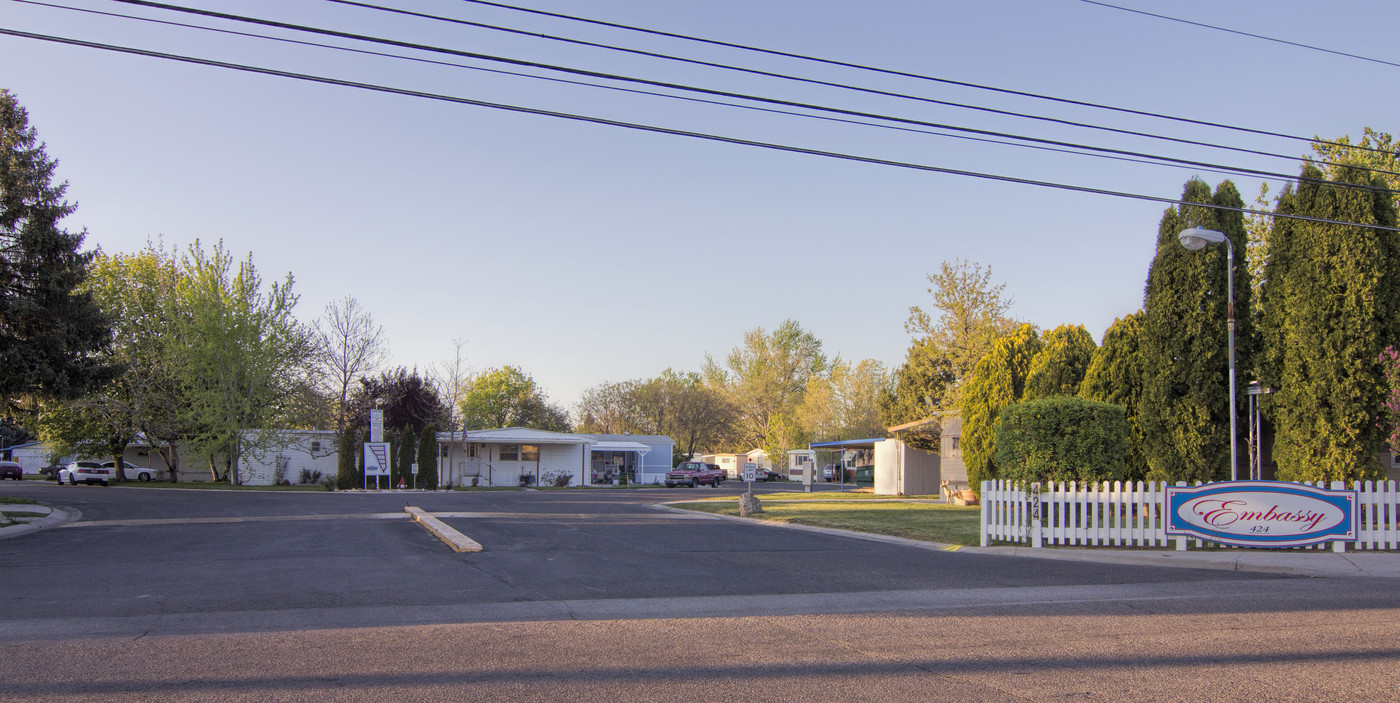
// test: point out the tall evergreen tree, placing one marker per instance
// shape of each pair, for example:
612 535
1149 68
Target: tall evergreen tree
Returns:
997 380
1058 370
1331 300
404 457
1185 409
49 333
345 475
1115 376
427 458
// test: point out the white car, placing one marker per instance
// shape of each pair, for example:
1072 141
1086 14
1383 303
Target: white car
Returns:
88 472
140 473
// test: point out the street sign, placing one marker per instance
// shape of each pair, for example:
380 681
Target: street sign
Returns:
414 468
750 472
376 458
376 425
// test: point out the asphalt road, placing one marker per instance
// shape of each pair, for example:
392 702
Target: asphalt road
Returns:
597 595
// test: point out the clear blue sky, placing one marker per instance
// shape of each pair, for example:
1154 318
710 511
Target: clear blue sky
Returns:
585 253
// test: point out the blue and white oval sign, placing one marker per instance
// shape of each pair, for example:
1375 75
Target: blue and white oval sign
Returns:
1262 513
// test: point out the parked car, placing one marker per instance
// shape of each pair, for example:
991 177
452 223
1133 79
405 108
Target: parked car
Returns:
140 473
766 475
830 472
88 472
694 473
51 470
10 469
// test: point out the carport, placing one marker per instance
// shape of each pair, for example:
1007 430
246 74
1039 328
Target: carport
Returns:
841 446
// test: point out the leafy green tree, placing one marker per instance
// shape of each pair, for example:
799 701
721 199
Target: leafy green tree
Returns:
239 353
1331 300
50 331
766 377
1115 376
971 316
509 397
1058 370
784 434
677 405
346 476
845 402
427 458
1185 411
997 381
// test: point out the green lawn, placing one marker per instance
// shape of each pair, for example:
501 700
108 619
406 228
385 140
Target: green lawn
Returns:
14 500
922 521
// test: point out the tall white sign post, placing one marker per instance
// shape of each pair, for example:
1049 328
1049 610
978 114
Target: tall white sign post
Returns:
376 449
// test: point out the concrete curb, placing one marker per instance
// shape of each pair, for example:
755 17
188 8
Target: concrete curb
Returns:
1321 563
57 517
454 539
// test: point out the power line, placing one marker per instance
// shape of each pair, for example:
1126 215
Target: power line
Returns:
906 74
799 79
1242 33
633 91
665 130
719 93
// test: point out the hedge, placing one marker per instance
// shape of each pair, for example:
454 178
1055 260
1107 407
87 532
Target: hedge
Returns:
1062 439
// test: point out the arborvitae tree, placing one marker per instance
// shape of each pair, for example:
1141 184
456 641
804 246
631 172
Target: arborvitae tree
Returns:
345 475
404 457
1185 409
48 333
1115 376
427 458
996 381
1058 370
1331 299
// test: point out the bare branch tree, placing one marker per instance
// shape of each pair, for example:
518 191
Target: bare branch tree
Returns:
351 345
452 378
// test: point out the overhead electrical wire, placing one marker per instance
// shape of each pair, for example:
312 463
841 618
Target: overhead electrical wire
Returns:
789 77
917 76
721 93
633 91
1242 33
663 130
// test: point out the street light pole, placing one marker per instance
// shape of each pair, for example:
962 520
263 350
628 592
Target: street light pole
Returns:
1194 239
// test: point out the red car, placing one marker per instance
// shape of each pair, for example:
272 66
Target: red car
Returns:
694 473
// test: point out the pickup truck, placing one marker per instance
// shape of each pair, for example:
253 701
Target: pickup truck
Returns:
694 473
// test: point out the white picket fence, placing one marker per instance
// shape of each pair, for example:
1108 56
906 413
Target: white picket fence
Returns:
1134 515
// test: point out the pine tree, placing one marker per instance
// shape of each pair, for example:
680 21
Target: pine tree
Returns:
1058 370
427 458
1331 299
997 380
1185 411
48 332
1115 376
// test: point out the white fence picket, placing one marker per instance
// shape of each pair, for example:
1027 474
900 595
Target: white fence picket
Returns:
1134 515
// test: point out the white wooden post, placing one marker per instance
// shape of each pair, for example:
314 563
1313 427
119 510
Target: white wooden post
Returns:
1180 541
1037 539
1339 546
987 497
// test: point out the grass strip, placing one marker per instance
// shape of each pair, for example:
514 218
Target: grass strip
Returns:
921 521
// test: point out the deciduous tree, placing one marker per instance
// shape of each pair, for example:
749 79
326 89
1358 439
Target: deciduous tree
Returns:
349 346
764 377
970 315
509 397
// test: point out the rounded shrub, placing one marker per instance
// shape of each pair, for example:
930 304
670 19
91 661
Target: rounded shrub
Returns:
1062 439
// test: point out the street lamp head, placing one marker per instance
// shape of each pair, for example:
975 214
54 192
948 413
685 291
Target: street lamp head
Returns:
1196 238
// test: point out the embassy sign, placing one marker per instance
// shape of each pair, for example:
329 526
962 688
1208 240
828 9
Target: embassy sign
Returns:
1262 513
